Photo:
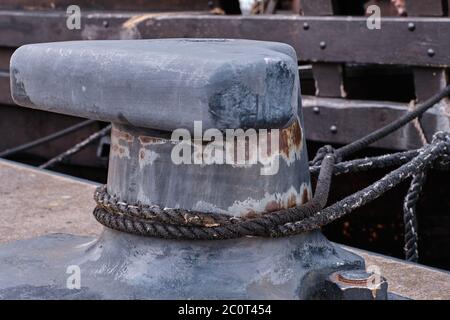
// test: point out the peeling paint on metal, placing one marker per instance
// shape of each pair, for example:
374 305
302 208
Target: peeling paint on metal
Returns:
147 140
290 144
251 208
120 142
122 135
147 157
270 202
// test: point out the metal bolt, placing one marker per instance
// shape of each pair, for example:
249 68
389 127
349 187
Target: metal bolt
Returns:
105 23
430 52
356 285
306 26
323 45
411 26
333 129
316 110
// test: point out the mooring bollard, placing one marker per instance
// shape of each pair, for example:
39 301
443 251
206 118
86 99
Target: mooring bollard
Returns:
211 126
195 89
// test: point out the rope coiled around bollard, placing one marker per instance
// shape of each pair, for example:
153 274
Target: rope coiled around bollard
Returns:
154 221
185 224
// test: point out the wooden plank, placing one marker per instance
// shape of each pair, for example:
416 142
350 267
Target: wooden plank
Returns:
341 121
5 91
329 80
387 7
271 7
134 5
5 56
425 8
318 7
347 39
428 81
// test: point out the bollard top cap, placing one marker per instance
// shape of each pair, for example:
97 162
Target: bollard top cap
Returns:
161 84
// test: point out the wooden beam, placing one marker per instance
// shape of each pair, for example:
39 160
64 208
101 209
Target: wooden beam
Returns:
5 91
429 81
342 121
317 7
425 8
316 39
271 7
133 5
5 56
329 80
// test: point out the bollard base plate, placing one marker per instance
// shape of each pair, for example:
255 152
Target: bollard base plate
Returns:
124 266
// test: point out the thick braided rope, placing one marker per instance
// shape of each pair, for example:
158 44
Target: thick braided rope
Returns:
184 224
410 217
370 163
157 214
427 155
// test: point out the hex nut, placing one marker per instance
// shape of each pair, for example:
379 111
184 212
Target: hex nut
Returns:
356 285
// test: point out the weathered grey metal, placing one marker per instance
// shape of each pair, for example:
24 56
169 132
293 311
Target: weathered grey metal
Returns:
123 266
161 84
221 83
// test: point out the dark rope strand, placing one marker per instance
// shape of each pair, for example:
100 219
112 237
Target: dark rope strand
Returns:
50 137
427 155
365 164
410 217
77 148
359 144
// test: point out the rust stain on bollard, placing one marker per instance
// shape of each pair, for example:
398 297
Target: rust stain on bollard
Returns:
291 141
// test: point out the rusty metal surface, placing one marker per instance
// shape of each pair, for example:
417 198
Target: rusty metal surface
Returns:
21 220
